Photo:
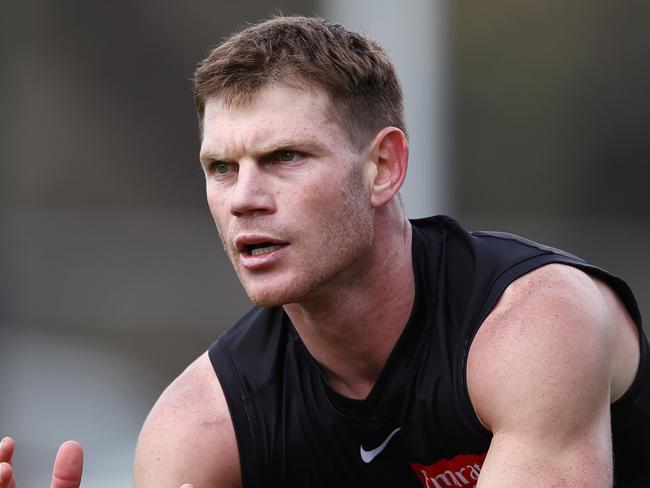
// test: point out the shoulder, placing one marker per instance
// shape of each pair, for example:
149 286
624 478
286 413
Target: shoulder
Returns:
551 340
546 292
188 436
542 371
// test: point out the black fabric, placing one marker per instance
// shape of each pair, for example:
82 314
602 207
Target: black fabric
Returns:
293 430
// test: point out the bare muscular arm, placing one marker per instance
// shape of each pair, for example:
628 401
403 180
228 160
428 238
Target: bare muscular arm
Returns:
542 371
188 436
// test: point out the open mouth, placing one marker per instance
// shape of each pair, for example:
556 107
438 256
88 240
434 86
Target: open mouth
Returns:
258 246
261 248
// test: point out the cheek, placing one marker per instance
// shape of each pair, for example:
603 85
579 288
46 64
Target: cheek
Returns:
299 199
219 214
323 194
216 202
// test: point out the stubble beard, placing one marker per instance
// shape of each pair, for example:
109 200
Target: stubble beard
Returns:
344 242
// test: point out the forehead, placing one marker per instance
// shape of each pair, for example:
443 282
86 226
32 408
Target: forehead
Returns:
275 114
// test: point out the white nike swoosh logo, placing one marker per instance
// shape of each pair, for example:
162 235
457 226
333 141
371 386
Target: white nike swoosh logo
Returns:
368 456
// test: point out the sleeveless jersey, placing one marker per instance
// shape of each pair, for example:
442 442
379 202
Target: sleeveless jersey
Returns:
417 426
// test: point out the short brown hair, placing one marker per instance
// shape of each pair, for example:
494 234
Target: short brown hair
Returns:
307 52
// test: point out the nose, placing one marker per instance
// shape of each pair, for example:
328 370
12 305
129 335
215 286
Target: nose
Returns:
252 192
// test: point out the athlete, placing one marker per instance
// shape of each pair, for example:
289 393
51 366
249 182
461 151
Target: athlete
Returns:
381 351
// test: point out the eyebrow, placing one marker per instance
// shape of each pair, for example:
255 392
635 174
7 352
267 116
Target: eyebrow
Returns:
267 150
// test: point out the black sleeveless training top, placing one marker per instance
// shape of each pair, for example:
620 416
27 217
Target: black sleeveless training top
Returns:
417 427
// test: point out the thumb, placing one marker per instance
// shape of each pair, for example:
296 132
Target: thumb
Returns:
68 465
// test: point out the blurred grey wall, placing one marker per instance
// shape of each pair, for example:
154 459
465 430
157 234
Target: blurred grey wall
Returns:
111 274
551 125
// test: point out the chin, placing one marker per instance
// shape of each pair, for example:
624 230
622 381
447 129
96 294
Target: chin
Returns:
275 296
263 299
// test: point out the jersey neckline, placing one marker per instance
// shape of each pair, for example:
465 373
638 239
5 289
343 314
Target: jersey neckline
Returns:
390 385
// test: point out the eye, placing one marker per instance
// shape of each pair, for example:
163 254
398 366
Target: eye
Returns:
285 157
220 167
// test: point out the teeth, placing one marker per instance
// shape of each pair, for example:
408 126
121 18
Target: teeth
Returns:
264 250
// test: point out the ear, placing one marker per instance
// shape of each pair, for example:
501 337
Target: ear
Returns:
386 165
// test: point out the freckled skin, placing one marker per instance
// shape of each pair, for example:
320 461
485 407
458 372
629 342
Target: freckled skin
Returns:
317 202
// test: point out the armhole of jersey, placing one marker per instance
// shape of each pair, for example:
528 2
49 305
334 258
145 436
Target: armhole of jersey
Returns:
517 271
236 398
639 391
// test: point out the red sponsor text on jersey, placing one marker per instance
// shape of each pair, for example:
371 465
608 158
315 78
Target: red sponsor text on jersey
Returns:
462 470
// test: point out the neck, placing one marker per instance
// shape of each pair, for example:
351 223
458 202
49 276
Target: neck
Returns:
351 328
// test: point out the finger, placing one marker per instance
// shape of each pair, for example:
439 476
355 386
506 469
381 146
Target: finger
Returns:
186 485
7 447
7 479
68 466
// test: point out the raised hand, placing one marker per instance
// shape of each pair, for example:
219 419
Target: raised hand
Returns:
66 473
7 447
68 465
67 469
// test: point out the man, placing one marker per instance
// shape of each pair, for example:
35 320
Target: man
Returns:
381 352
